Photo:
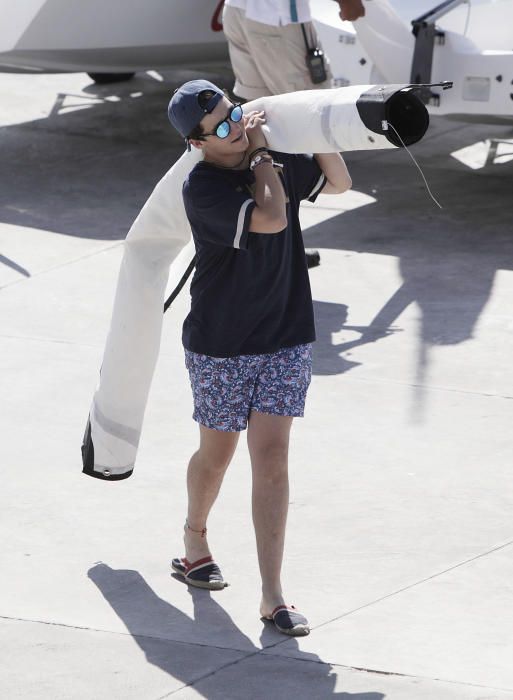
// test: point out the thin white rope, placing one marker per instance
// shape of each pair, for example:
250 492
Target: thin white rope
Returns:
418 166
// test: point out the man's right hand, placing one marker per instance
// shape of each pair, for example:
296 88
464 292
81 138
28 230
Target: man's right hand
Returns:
253 124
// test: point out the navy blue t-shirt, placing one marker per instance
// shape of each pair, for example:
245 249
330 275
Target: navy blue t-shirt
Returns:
250 293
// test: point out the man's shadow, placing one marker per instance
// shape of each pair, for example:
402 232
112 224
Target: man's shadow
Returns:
146 616
331 318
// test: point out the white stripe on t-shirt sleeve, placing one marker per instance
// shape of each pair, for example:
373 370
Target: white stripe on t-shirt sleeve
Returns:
240 222
318 185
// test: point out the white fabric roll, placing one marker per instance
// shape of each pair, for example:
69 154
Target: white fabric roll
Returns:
317 121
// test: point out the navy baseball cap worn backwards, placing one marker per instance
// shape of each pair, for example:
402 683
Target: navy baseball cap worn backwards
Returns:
184 110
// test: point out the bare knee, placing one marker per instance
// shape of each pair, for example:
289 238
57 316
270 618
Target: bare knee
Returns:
213 462
216 450
270 462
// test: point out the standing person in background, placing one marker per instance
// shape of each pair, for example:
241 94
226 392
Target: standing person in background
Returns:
267 45
271 44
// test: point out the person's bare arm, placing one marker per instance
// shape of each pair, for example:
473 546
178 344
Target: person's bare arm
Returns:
335 169
269 214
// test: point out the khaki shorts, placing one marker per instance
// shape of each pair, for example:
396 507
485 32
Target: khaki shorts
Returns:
269 60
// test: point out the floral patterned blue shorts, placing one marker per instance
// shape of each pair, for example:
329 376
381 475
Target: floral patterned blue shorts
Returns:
227 389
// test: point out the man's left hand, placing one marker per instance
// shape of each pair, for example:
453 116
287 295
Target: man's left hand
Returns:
351 10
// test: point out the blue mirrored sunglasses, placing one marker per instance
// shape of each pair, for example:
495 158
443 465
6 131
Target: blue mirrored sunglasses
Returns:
223 128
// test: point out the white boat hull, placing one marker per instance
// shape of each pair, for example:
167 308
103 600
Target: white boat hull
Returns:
114 36
120 36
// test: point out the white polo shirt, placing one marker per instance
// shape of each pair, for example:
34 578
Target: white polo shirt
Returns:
273 12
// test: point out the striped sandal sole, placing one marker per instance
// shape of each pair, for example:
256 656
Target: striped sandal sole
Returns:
203 573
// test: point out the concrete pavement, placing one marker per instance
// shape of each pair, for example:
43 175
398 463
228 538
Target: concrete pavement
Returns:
400 540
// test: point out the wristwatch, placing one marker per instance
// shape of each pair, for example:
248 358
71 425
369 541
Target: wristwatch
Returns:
261 158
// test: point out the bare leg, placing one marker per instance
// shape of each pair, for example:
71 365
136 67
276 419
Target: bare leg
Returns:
268 442
205 474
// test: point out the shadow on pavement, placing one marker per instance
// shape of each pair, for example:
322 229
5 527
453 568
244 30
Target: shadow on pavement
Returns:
87 168
14 266
332 318
448 260
146 616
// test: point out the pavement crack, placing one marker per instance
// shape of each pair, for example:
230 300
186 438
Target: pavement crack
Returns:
427 387
395 674
264 652
165 640
58 341
192 683
411 585
332 665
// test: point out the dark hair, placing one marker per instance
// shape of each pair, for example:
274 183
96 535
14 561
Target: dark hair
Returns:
203 98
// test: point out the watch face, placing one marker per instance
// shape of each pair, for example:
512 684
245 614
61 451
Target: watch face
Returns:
259 159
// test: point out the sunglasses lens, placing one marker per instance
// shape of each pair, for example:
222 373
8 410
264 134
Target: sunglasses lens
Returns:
223 130
236 114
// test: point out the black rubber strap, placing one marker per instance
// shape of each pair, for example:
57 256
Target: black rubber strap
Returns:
258 150
304 37
176 291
